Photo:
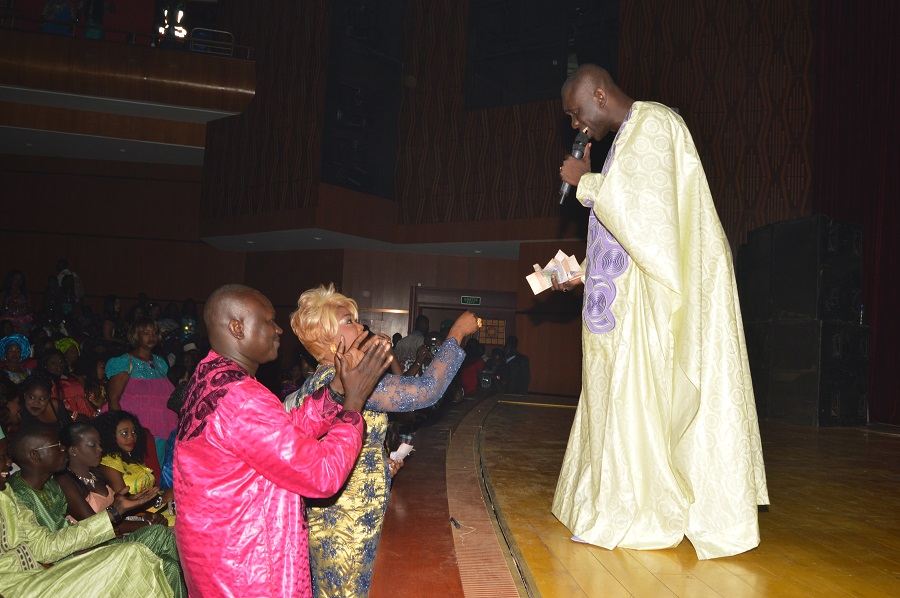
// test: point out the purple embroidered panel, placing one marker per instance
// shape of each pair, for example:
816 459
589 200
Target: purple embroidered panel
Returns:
606 261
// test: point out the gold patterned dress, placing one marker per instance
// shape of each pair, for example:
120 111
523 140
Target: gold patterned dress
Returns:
344 530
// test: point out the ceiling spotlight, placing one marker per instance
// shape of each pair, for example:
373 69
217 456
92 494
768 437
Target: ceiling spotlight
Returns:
250 242
317 238
123 150
477 251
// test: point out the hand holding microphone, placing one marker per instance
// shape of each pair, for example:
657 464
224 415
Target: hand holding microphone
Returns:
578 152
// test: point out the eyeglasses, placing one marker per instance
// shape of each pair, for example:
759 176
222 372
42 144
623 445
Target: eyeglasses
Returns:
38 399
58 444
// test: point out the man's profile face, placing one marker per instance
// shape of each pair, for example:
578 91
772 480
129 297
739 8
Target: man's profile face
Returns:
261 333
581 104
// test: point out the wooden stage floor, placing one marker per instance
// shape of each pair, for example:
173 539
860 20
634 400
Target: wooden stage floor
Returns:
833 528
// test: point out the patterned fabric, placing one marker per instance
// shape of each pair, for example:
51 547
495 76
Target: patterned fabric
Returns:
665 441
18 339
147 400
159 539
606 261
17 377
211 381
73 397
344 530
48 504
99 573
146 392
242 467
137 476
137 369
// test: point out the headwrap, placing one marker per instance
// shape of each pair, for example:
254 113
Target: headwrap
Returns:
63 345
18 339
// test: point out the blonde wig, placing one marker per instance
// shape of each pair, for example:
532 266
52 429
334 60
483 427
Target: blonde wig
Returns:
315 321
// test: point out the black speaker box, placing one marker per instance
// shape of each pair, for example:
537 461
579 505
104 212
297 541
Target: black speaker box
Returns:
810 372
816 269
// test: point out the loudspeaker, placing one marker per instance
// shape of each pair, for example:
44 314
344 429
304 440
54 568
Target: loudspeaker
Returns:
816 269
810 372
754 275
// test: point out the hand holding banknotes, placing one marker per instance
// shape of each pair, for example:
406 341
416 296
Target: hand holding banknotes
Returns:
566 286
561 273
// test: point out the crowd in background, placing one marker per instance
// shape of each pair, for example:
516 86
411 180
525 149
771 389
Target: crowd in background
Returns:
102 393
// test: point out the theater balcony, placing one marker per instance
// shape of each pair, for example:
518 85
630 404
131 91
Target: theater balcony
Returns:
71 97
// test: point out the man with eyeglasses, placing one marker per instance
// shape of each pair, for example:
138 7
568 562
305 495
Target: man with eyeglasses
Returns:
25 545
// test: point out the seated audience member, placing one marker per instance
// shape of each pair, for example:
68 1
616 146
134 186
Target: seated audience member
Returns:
65 387
405 349
243 464
115 331
90 369
138 382
87 492
170 322
15 305
125 451
25 546
70 350
344 531
488 381
470 371
291 381
15 349
10 407
40 406
39 454
515 372
190 357
189 320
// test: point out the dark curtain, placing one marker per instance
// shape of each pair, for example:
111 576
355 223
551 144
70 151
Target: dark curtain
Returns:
857 164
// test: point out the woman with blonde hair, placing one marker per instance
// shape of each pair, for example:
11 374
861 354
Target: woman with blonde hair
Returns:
344 530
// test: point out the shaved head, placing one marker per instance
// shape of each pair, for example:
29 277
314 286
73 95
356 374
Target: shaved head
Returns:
594 102
226 303
590 75
241 325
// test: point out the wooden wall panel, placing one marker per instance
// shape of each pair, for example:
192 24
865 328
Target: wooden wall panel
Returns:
268 158
549 324
125 71
482 165
101 124
382 281
282 276
125 228
740 74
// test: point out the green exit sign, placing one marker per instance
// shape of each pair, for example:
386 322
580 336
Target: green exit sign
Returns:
470 300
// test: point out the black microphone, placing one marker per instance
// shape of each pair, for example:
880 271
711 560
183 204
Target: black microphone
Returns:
581 140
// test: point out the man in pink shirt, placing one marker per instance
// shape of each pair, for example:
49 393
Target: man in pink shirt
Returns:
243 465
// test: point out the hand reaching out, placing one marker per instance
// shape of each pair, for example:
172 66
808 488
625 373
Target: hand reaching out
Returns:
358 382
123 501
465 325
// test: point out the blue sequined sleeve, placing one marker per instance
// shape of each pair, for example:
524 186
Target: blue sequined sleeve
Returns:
408 393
